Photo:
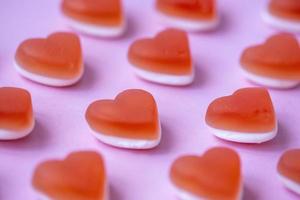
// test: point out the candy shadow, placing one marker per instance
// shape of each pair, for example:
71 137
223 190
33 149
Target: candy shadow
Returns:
114 194
224 23
88 79
37 139
249 194
131 27
291 193
200 76
166 142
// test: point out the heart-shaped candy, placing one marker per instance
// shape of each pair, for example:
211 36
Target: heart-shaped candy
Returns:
283 15
191 15
129 121
16 114
190 9
245 116
214 175
277 59
288 168
289 9
56 60
80 176
96 17
164 59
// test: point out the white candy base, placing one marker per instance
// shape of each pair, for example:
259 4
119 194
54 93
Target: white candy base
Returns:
47 80
270 82
280 23
127 143
166 79
288 183
13 135
188 25
99 31
243 137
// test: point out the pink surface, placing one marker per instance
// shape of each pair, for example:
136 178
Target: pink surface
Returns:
140 175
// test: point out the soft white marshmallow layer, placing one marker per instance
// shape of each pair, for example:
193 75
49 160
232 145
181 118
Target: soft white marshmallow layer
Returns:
41 196
166 79
96 30
290 184
188 25
13 135
184 195
47 80
280 23
270 82
244 137
126 142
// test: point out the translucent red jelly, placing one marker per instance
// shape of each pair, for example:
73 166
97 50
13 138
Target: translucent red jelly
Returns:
247 110
57 56
97 12
289 165
15 109
289 9
278 57
190 9
215 175
133 114
168 52
81 176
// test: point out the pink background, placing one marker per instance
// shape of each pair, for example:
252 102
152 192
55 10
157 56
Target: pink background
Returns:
140 175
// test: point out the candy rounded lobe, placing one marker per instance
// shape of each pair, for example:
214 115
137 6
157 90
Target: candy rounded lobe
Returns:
188 9
248 110
16 113
94 12
131 117
80 176
277 58
59 56
289 165
202 176
288 9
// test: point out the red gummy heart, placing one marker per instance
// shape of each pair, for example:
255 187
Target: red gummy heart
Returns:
81 176
289 165
133 114
246 110
215 175
168 52
15 109
191 9
289 9
278 57
98 12
57 56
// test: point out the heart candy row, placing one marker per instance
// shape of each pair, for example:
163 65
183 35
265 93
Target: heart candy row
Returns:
82 175
106 18
132 121
165 59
